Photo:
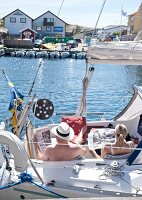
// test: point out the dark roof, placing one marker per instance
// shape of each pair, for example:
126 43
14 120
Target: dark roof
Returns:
15 11
51 13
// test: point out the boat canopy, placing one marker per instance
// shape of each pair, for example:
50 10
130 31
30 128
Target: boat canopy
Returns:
132 113
134 107
120 52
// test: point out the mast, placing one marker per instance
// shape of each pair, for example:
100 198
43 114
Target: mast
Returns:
99 17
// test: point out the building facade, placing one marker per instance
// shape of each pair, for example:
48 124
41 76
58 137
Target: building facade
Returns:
28 34
135 21
110 30
17 21
49 24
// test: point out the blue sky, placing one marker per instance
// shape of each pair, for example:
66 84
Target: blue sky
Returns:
81 12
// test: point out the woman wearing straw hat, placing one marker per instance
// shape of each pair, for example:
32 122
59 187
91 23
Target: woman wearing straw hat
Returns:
63 149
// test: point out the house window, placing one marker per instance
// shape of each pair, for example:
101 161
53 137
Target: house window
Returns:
12 19
22 20
132 18
50 19
45 19
48 29
131 29
38 28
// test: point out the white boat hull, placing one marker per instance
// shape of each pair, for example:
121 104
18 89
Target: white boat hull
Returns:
63 179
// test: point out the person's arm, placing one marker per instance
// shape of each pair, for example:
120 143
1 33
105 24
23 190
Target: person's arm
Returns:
104 150
46 154
39 155
93 152
80 150
131 145
78 139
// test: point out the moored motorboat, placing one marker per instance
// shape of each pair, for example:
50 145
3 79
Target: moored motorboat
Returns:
20 53
64 54
54 54
30 54
42 54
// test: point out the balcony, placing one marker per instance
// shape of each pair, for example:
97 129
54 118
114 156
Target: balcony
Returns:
48 23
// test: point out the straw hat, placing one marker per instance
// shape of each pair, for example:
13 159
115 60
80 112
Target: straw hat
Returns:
63 131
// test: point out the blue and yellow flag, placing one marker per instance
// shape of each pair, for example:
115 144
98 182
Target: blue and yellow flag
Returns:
15 106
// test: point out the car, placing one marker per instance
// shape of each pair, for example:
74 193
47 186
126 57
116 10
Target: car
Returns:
37 43
72 43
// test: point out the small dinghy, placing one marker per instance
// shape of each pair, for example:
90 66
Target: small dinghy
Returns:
20 53
30 54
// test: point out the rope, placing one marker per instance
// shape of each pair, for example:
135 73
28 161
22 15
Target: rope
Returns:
24 177
81 110
136 188
28 178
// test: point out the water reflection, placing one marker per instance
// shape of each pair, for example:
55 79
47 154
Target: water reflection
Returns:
61 81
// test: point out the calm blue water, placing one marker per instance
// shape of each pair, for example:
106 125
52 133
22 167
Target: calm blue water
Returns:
61 82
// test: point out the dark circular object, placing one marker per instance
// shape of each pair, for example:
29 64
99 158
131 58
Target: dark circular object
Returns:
43 109
22 197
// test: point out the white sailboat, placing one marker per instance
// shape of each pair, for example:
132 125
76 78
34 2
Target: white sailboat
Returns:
120 52
25 177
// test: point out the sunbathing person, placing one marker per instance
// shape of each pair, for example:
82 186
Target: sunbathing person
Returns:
63 149
119 147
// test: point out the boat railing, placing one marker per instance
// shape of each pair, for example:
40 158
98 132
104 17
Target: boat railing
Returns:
73 113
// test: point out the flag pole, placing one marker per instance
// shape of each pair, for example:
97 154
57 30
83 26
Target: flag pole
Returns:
16 102
121 16
121 22
30 91
98 18
26 110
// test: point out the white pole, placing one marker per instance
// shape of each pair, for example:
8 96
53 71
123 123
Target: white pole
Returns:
121 22
98 18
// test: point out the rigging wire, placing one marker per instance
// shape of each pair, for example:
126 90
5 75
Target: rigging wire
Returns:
98 18
60 8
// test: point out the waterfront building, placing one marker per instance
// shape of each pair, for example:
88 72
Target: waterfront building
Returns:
49 24
46 24
135 21
17 21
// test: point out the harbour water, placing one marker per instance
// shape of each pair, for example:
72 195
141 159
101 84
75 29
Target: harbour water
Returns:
60 80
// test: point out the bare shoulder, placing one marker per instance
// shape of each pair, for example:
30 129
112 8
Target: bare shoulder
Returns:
50 148
74 145
48 151
77 146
